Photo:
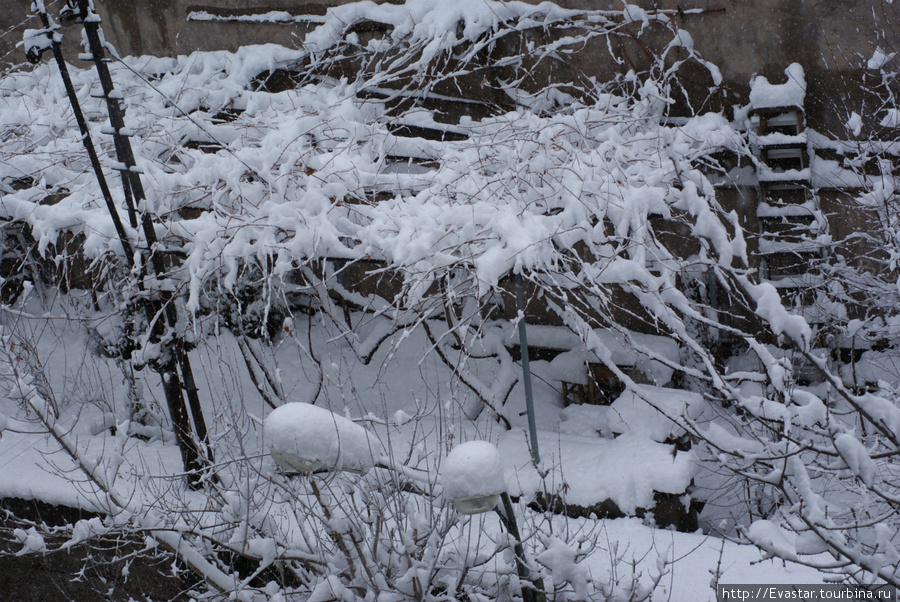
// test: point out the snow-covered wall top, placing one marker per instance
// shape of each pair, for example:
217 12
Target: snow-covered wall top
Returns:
764 95
767 33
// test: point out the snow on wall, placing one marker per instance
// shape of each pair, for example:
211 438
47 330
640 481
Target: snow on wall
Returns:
627 350
764 95
573 168
647 411
627 470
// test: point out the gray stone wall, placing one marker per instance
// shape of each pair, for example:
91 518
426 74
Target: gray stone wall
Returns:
13 21
742 37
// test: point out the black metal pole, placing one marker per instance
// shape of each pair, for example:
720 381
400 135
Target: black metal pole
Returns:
174 357
190 389
526 372
131 181
529 594
50 32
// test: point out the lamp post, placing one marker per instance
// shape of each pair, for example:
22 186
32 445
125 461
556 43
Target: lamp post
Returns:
472 477
308 438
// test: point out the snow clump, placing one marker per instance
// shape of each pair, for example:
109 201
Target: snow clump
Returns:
764 95
473 471
306 437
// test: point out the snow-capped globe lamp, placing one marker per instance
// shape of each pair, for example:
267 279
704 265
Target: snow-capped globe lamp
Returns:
308 438
472 477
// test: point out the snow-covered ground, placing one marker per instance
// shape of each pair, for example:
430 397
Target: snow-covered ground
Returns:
401 400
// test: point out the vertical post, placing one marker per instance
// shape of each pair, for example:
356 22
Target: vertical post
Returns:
175 358
131 181
50 31
526 371
173 382
509 521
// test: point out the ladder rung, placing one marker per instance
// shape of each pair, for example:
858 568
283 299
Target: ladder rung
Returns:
123 167
87 56
124 132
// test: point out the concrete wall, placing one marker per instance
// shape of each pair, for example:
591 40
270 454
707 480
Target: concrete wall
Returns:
13 21
743 37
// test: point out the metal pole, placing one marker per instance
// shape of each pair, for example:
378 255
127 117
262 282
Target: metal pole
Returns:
526 371
168 369
134 194
131 180
50 32
529 594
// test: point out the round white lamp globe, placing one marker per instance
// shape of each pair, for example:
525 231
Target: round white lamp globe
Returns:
305 437
472 477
